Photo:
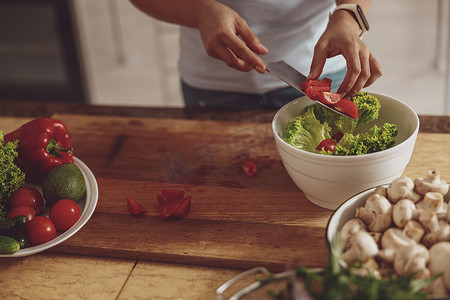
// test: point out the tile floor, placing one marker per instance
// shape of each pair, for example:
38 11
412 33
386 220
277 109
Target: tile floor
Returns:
404 37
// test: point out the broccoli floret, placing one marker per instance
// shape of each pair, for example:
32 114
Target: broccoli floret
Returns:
11 176
378 139
368 111
306 132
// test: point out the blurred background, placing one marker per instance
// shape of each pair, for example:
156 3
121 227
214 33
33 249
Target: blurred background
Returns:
106 52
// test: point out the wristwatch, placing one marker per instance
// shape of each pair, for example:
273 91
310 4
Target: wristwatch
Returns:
357 13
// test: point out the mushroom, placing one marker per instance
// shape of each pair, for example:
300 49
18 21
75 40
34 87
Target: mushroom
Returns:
442 234
429 220
414 230
412 259
433 201
351 227
439 262
402 188
431 183
403 211
362 247
381 190
395 238
376 213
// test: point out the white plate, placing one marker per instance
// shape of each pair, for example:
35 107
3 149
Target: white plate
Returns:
87 206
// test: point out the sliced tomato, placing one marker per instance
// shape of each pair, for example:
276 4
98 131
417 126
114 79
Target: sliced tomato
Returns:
173 203
134 208
347 107
337 136
329 98
324 82
327 145
250 169
314 92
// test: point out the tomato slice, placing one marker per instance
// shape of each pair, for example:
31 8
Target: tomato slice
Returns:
329 98
173 203
347 107
324 82
337 136
327 145
250 169
134 208
314 92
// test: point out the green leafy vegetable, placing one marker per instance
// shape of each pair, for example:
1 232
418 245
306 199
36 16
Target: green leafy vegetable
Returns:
11 176
306 132
318 123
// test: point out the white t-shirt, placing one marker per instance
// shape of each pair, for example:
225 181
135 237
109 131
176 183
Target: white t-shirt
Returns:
288 28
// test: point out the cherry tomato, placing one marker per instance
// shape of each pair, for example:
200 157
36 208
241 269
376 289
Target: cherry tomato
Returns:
337 136
322 82
134 208
314 92
173 203
40 230
184 208
329 98
250 169
27 196
347 107
26 211
327 145
64 214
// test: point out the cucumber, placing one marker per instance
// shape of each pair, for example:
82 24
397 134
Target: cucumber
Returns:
8 245
20 237
13 224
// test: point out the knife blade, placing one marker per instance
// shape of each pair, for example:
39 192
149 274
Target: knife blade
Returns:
285 72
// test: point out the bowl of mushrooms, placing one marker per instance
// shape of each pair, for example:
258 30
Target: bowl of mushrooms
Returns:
400 228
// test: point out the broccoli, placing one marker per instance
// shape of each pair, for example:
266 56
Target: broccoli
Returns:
377 139
368 111
306 132
11 176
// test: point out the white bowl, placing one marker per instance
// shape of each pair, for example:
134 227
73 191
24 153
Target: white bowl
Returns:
87 205
328 181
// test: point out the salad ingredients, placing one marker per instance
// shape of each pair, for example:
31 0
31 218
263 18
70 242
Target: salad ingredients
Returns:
64 182
347 107
26 211
250 169
13 224
173 203
64 214
317 123
329 98
327 145
27 196
43 144
40 230
134 208
8 245
11 176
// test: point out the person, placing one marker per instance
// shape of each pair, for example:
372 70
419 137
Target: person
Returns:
224 47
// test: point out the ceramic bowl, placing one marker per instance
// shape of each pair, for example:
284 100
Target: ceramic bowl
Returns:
328 181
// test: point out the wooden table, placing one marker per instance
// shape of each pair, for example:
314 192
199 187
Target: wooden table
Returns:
235 223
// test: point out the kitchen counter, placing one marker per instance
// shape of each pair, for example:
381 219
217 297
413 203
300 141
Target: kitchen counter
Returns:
236 223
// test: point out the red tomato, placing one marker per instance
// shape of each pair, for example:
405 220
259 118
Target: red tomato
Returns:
134 208
27 196
250 169
337 136
322 82
173 203
40 230
347 107
64 214
329 98
327 145
314 92
26 211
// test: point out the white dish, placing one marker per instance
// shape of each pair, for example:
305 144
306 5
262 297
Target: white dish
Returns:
87 206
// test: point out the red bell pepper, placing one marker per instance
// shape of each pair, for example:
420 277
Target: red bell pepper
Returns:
43 144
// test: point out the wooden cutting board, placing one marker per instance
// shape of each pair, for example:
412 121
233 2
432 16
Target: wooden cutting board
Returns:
235 221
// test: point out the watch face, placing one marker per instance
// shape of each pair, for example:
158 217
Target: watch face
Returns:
363 18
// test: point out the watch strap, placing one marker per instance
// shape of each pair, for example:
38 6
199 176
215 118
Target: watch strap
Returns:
358 15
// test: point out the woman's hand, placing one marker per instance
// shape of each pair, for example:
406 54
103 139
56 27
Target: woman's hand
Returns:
342 37
226 36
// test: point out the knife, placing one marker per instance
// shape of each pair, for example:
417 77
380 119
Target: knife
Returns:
285 72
